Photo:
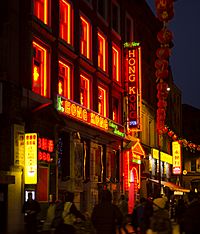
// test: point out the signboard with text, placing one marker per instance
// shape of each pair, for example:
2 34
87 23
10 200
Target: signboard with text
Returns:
133 85
30 158
177 161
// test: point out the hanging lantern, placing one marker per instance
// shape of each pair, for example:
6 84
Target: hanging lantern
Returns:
174 137
170 133
165 129
162 86
162 104
163 52
162 94
164 36
162 74
161 64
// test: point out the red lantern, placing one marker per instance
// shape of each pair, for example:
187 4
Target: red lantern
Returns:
163 52
162 74
162 94
162 86
174 137
161 114
164 36
162 104
161 64
170 133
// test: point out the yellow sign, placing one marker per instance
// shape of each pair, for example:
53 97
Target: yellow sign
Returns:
164 157
31 158
176 153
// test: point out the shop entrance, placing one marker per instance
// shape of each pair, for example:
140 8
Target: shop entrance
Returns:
3 206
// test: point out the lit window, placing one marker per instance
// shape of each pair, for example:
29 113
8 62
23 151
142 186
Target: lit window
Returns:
102 101
40 81
85 91
41 10
115 110
101 52
115 63
66 21
64 80
85 41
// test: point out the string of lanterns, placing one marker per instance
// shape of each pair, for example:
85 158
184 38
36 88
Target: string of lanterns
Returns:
165 12
185 143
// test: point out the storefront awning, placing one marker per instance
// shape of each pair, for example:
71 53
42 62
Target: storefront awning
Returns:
171 186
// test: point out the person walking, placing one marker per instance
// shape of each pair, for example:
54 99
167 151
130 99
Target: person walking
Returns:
106 217
70 214
30 208
160 222
191 216
123 206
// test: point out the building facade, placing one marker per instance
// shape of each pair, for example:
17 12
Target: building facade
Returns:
66 99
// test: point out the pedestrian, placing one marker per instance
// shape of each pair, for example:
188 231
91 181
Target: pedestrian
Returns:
180 210
127 227
138 216
191 216
70 214
106 217
47 226
123 206
160 222
31 208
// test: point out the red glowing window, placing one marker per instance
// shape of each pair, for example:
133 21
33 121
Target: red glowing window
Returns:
101 51
85 91
115 109
85 41
102 101
40 80
64 80
115 63
66 21
41 10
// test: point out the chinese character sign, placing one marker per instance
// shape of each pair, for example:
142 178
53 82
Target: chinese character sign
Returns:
177 161
31 158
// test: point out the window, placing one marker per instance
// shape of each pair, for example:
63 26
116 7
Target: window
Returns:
102 102
40 8
64 80
115 63
115 17
115 108
129 29
85 43
40 80
66 21
102 52
85 91
101 8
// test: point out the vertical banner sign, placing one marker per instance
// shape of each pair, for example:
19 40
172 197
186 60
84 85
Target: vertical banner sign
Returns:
31 158
133 86
176 153
19 145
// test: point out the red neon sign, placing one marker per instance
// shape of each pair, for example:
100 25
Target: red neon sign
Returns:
45 148
134 87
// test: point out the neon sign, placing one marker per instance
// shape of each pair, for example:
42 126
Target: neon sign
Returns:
133 77
176 153
45 148
88 116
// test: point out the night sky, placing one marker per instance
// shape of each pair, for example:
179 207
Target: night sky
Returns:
185 61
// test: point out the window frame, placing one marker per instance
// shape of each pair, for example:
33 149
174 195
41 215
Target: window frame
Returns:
85 76
105 109
46 11
88 40
128 17
69 39
117 30
67 80
45 75
104 52
117 78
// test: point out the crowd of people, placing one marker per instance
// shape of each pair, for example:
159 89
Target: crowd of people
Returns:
149 216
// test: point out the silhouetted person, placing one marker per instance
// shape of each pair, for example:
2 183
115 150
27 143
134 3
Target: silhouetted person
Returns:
191 217
70 214
31 208
123 206
106 217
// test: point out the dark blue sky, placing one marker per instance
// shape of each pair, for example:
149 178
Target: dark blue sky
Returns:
185 59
